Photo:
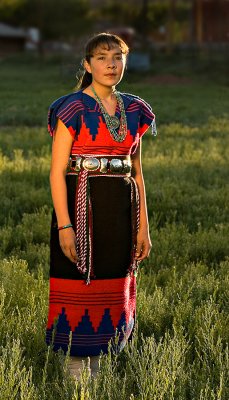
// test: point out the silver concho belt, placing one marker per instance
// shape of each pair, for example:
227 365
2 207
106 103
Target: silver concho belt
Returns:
104 165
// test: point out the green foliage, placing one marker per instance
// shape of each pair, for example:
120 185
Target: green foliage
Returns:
138 14
180 346
9 8
55 18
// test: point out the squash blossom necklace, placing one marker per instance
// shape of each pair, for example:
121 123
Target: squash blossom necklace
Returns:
112 121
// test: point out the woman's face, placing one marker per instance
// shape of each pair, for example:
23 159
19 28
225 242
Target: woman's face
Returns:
106 66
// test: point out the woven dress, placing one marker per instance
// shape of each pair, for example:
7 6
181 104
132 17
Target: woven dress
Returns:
93 308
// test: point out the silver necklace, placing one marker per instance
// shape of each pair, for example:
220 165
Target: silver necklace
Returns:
112 121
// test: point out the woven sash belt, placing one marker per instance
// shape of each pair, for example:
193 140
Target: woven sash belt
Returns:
85 166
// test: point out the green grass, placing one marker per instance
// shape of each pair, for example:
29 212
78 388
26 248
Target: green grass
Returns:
180 348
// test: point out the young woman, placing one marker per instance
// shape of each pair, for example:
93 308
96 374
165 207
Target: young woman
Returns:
99 231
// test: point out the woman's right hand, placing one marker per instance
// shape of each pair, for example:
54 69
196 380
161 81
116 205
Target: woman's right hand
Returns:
67 241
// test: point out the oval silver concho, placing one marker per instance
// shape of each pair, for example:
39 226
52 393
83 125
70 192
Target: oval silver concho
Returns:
116 165
91 164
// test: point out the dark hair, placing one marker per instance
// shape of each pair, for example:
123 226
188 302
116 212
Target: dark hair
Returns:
107 40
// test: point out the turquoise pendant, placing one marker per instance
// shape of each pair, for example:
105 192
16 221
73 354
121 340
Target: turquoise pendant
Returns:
114 121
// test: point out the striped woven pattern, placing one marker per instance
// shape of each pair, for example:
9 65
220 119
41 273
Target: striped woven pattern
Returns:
90 316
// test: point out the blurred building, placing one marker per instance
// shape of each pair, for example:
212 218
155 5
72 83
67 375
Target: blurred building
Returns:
12 39
16 40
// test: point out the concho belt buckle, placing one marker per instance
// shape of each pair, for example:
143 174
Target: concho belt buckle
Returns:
91 164
116 165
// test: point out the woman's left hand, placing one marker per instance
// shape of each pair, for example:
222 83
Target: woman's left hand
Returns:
143 245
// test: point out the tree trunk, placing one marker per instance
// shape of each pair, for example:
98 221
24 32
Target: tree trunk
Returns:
199 22
170 29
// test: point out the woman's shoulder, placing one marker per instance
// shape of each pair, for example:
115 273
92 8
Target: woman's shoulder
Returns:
67 108
147 117
66 99
132 98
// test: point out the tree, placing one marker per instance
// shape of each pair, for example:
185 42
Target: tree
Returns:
55 18
8 8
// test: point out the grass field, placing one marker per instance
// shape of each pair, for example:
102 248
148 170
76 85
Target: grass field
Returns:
180 348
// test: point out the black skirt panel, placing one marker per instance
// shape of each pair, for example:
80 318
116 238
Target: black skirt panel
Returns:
112 229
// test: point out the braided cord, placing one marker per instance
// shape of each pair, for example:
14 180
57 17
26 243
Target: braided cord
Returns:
81 221
135 220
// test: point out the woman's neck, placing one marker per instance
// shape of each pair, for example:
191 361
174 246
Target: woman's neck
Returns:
103 92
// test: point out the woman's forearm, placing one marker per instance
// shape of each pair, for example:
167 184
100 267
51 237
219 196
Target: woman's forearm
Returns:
59 196
138 176
143 243
144 224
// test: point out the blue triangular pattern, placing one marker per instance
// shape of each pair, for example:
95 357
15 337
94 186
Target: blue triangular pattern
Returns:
106 325
85 326
122 322
62 327
63 324
92 123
